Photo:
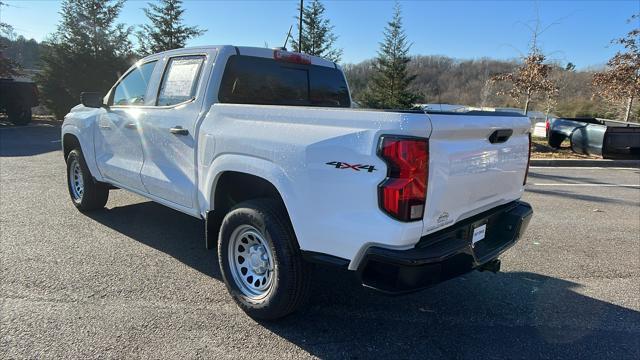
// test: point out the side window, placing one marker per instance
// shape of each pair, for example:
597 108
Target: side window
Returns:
132 89
180 80
257 80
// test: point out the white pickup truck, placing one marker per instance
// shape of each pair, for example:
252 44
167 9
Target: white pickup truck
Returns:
265 146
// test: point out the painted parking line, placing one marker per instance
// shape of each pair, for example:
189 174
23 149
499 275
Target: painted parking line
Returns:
583 168
587 185
10 127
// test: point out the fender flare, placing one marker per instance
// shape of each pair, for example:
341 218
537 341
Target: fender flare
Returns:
262 168
87 148
250 165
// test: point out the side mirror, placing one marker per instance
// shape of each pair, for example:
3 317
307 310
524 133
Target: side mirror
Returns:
92 99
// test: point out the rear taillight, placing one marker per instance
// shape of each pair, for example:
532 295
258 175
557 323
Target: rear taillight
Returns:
291 57
547 125
526 172
403 193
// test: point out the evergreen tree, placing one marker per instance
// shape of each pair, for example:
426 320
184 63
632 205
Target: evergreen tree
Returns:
8 67
87 53
26 53
317 37
389 87
166 30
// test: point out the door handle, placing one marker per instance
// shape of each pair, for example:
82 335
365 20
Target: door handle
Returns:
500 136
104 127
179 130
131 126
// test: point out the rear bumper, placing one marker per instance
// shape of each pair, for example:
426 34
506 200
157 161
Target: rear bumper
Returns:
447 253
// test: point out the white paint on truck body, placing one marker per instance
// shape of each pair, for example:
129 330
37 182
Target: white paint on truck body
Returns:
333 211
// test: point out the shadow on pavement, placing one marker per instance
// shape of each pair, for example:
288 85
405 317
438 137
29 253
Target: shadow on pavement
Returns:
567 179
38 137
158 226
583 197
479 315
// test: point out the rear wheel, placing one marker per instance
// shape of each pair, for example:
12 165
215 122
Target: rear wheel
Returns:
555 140
260 260
86 193
19 117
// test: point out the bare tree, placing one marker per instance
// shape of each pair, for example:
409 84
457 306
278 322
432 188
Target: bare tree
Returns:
620 81
529 80
532 78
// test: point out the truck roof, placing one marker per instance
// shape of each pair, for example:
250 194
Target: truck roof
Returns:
240 50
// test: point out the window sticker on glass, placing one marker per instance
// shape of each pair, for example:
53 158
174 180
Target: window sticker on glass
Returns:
180 80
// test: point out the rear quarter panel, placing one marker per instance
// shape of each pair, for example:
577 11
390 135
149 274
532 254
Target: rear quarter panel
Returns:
333 210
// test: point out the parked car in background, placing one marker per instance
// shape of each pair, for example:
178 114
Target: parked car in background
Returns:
539 130
610 139
264 145
16 100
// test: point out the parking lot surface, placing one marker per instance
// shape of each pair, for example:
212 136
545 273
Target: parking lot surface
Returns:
134 280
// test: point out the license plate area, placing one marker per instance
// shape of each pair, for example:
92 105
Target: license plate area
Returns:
478 232
489 235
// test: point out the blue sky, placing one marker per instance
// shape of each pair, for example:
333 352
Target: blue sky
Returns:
461 29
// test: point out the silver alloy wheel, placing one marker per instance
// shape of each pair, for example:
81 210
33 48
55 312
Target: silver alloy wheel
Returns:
76 183
251 262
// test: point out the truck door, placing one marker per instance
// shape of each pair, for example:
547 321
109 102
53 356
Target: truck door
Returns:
169 130
118 144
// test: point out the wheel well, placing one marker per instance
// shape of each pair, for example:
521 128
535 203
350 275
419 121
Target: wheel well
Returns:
233 188
69 142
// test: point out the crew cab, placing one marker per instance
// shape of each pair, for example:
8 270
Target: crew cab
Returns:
265 147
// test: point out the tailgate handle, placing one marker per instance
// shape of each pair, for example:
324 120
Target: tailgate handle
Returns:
500 136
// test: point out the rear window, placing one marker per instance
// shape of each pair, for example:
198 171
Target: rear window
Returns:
256 80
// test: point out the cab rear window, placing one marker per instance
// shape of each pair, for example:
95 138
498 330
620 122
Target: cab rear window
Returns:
263 81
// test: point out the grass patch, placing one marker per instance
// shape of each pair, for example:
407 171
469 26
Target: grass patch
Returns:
540 149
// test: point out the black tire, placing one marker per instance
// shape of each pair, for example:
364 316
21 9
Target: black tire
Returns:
555 140
19 117
290 286
94 194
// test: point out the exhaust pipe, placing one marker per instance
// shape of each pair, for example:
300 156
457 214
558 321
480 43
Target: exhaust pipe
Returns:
493 266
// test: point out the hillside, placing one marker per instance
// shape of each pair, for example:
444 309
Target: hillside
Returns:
441 79
25 52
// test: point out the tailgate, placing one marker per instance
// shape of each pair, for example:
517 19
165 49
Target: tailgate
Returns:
621 143
471 171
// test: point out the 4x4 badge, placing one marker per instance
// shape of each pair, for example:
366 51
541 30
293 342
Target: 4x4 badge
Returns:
356 167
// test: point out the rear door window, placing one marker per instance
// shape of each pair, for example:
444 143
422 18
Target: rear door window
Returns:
256 80
180 80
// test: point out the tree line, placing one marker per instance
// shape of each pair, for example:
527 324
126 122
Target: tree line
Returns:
441 79
90 49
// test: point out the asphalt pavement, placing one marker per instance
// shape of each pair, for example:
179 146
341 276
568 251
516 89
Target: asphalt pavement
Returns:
134 280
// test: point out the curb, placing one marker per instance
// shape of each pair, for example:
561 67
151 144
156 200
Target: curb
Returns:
585 163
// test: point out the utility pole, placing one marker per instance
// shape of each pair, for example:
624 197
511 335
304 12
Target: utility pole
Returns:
300 27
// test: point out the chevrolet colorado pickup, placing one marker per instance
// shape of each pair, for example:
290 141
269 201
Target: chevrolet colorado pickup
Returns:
265 146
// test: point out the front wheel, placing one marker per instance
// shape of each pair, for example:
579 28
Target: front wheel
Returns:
86 193
260 261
